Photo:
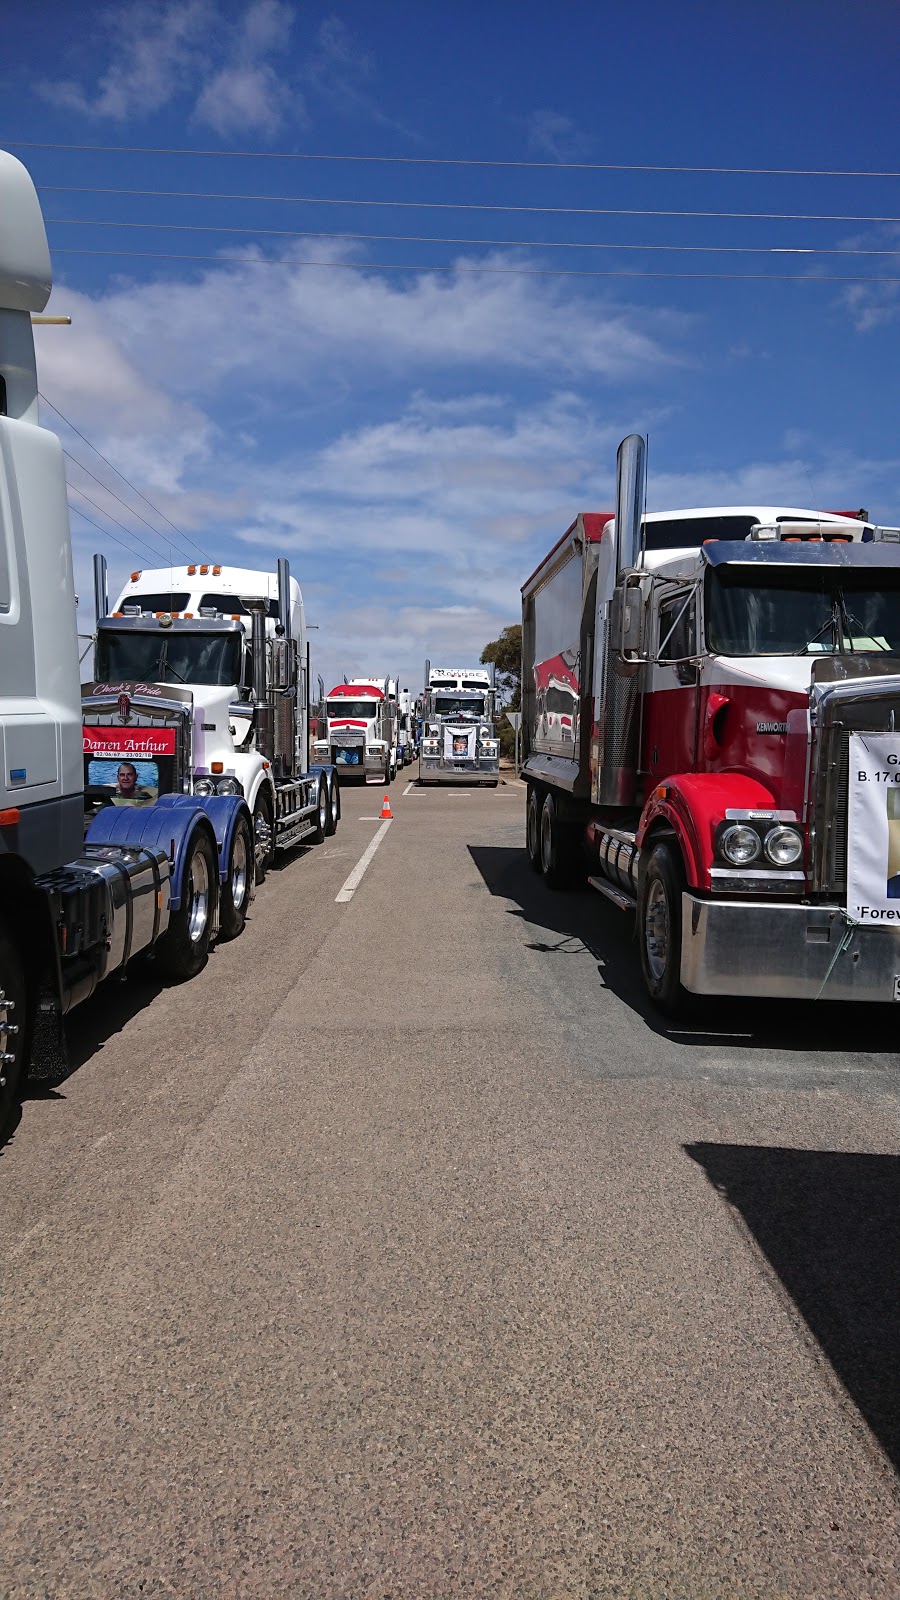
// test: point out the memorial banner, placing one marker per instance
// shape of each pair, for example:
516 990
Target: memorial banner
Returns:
873 828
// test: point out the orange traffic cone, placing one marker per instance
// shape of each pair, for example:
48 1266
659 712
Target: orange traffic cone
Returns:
386 815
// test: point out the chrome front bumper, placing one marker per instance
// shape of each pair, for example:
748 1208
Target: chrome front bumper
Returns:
791 952
434 772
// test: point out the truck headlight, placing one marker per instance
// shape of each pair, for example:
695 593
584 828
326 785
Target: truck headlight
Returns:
740 845
783 846
229 786
204 786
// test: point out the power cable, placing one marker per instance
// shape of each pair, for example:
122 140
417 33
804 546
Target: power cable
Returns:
462 205
107 534
104 513
528 272
107 490
137 491
454 161
428 238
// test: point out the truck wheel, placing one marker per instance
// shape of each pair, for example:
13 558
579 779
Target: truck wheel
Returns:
533 828
13 1020
263 842
184 946
659 927
558 847
321 813
334 808
236 890
388 774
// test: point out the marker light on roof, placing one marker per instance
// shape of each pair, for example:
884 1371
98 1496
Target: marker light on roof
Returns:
191 571
135 576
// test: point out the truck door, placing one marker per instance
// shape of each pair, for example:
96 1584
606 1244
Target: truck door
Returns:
670 708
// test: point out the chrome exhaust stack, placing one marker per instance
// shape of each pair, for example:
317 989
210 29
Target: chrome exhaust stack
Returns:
101 588
631 459
265 719
284 596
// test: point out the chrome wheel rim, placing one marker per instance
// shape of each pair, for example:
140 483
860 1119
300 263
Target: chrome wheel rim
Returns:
323 809
656 930
198 897
334 804
7 1031
239 872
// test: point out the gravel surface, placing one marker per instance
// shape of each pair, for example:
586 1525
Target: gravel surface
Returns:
405 1254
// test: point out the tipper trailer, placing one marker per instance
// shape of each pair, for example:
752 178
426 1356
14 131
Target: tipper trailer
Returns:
459 742
711 710
81 894
211 663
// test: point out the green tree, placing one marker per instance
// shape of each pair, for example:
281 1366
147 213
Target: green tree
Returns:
506 654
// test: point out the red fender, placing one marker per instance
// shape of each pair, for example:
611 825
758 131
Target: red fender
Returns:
693 804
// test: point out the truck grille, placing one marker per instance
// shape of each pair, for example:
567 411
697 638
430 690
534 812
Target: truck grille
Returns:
843 709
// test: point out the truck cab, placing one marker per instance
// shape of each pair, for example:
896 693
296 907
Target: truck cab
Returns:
201 679
361 724
459 742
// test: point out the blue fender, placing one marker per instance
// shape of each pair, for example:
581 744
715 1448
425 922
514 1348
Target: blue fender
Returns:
222 810
169 828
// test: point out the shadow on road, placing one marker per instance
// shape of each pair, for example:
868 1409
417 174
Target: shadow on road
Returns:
829 1223
573 922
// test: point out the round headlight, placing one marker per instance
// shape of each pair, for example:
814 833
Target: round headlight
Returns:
228 786
204 786
783 846
740 845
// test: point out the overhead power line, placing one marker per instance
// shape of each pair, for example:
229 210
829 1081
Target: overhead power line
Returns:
117 497
462 205
527 272
85 440
106 532
428 238
104 513
454 161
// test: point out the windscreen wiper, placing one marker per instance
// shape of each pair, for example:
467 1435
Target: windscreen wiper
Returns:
833 622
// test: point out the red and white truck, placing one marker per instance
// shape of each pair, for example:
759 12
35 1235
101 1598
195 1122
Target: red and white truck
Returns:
711 713
361 724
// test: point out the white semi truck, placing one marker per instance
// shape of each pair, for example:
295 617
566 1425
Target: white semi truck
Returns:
77 902
407 729
361 724
213 662
459 742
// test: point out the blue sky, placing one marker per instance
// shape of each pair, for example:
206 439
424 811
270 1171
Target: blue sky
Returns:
414 441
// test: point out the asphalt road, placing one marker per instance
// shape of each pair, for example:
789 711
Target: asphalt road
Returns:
404 1254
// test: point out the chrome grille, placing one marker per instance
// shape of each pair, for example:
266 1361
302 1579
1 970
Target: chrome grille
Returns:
863 704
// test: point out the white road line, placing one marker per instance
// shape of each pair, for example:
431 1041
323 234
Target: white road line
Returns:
358 873
374 819
410 787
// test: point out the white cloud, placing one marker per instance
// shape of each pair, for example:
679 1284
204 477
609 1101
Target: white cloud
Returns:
154 52
551 133
247 94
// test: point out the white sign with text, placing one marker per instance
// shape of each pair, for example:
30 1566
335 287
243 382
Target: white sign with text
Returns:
873 828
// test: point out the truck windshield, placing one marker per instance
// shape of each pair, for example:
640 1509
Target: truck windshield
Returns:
168 655
353 708
455 705
782 613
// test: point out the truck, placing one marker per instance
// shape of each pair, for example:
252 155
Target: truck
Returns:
459 742
211 663
361 726
711 711
407 729
85 887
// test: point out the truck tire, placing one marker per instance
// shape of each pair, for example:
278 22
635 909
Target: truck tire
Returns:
184 946
235 892
334 807
262 831
661 885
559 847
388 774
13 1026
533 828
321 830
